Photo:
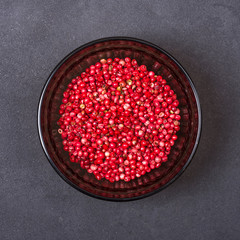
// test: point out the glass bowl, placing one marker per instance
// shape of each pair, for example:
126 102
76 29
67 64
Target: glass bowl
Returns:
156 60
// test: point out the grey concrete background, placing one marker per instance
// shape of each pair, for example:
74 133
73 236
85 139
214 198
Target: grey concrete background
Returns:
204 203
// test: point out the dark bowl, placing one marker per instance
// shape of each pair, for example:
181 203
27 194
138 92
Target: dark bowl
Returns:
156 60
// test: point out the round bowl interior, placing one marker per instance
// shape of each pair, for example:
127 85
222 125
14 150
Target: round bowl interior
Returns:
156 60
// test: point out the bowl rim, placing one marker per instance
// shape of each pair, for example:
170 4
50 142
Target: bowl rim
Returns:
112 39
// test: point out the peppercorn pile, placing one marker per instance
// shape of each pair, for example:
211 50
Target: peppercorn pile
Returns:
118 120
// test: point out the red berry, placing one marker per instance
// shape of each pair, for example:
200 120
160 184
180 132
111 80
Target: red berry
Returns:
117 120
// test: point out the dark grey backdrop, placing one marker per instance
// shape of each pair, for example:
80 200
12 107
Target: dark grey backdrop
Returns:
204 203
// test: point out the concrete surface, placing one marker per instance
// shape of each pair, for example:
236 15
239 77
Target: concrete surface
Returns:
204 203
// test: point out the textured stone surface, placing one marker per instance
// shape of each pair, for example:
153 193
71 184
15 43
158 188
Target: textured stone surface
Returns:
204 203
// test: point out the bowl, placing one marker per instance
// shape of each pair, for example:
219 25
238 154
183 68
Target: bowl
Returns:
157 60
